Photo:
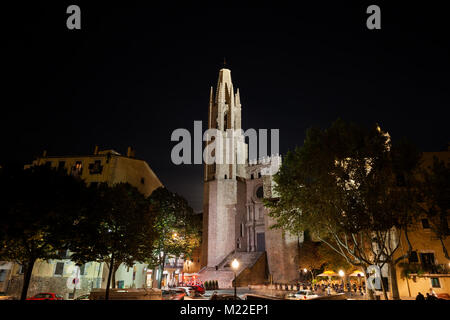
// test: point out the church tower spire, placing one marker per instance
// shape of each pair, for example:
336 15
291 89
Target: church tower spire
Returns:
225 114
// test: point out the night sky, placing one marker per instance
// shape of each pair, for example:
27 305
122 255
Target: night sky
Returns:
135 72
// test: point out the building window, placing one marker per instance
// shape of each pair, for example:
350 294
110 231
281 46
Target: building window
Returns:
2 275
242 229
77 169
252 176
427 260
83 270
59 268
413 257
96 167
259 174
260 192
425 224
435 283
61 165
225 176
142 180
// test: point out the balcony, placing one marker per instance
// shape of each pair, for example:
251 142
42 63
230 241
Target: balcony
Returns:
423 270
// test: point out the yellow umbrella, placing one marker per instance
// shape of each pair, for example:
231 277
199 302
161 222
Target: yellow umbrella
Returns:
356 274
328 273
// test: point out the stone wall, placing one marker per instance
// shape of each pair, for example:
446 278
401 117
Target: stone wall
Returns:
257 274
56 285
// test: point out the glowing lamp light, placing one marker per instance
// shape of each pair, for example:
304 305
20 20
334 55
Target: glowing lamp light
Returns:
305 270
341 273
235 264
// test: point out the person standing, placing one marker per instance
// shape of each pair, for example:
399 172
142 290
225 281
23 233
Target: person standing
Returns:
432 293
420 296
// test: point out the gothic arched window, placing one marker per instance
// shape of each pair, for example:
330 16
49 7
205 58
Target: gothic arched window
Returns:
260 192
225 121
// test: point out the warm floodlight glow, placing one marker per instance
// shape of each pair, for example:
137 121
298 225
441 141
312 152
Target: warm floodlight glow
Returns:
235 264
305 270
341 273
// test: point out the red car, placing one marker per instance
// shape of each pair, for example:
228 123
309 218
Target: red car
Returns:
199 289
46 296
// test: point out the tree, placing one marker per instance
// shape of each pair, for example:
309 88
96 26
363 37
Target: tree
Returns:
333 260
117 228
177 228
342 185
309 257
38 209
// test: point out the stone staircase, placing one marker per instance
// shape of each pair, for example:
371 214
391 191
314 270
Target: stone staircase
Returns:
224 274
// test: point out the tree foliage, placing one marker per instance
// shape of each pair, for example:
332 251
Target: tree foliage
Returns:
117 228
351 188
176 226
38 209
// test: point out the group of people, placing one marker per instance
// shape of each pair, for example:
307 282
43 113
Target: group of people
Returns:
431 295
338 288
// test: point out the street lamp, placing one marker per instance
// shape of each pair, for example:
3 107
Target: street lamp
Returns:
235 266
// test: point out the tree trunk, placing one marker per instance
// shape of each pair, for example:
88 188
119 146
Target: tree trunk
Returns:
108 283
115 267
369 292
394 284
382 286
161 270
26 278
154 279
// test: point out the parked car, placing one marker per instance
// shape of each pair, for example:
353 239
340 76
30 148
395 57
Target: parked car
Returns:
305 295
199 289
173 294
83 297
443 296
217 296
46 296
190 292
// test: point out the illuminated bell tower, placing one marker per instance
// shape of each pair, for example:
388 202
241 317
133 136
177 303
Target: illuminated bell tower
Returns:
222 177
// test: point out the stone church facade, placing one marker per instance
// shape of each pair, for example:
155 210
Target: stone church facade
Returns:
236 223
